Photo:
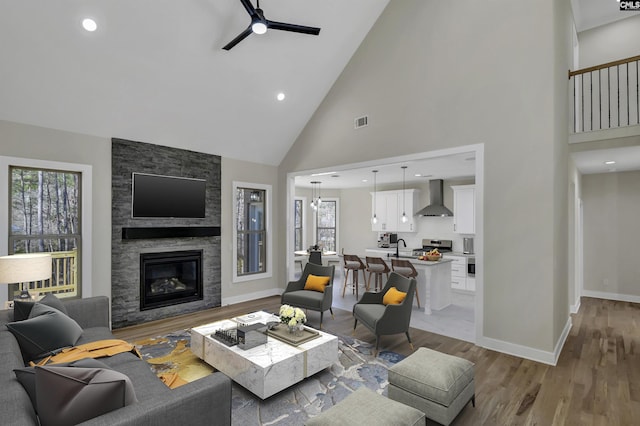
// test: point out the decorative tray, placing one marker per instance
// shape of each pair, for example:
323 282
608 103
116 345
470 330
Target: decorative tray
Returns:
281 332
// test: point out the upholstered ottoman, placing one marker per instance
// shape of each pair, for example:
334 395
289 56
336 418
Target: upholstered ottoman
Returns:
365 407
437 384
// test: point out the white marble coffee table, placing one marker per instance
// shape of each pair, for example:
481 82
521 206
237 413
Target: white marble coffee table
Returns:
268 368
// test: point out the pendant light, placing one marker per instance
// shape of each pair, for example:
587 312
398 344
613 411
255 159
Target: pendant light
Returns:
404 215
374 219
316 200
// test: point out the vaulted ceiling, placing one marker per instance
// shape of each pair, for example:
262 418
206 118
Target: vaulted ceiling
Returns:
155 71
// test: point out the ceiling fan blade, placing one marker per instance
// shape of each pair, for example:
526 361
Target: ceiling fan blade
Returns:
293 28
249 7
239 38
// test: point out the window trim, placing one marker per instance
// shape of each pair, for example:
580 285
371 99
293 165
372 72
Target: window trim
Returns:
268 227
304 221
86 211
315 222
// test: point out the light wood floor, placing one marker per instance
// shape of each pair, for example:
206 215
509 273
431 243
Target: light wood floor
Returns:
596 381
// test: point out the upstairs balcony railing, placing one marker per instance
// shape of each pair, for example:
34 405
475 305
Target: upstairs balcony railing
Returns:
606 96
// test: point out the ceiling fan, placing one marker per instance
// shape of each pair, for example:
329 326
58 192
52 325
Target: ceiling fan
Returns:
259 25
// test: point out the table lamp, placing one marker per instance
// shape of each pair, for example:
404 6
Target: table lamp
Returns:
25 268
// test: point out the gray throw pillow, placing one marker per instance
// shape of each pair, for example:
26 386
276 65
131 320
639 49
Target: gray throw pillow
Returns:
46 330
71 395
27 375
22 308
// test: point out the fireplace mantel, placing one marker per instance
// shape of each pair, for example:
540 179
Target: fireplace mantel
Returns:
131 233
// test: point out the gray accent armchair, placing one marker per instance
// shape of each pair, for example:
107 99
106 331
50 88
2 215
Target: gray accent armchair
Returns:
296 295
383 319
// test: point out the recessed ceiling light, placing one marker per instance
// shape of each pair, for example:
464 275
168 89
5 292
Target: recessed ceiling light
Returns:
608 163
89 24
364 180
280 96
417 175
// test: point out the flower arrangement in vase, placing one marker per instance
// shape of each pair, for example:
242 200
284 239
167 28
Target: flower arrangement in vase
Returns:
293 317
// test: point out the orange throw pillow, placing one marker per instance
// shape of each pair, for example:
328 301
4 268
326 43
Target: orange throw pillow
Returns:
393 296
316 283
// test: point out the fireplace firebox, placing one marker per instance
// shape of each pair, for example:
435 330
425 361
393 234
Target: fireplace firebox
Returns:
170 278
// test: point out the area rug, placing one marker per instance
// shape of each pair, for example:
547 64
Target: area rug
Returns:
356 367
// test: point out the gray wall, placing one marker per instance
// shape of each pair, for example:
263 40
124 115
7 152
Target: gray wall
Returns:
21 140
611 234
236 170
498 77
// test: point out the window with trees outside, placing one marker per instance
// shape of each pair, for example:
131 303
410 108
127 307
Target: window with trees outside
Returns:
252 224
45 216
327 225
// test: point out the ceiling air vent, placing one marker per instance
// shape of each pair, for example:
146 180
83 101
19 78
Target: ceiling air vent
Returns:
361 122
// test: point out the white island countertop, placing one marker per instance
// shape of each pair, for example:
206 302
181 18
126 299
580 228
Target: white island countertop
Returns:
433 280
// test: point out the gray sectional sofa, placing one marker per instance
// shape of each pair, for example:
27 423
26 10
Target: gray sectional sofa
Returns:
204 401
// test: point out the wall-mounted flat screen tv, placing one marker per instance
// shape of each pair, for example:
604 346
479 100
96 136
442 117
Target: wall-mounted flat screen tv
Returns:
156 196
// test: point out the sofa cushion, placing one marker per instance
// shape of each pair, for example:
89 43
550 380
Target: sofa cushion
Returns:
15 405
22 308
71 395
27 375
46 330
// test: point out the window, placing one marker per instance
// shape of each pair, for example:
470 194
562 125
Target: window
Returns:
45 216
298 225
327 225
252 223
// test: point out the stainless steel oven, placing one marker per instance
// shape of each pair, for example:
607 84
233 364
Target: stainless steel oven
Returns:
471 267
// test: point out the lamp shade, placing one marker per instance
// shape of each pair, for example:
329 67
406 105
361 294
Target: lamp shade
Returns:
20 268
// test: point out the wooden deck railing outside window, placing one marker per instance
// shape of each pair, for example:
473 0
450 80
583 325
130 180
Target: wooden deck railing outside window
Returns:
606 96
64 276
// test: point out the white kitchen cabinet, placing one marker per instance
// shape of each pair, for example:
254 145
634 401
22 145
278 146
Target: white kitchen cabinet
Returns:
458 272
464 209
389 206
459 277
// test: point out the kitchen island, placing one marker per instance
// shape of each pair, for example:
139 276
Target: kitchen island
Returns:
433 280
434 283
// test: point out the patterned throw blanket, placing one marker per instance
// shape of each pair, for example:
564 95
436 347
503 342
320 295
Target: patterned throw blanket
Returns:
101 349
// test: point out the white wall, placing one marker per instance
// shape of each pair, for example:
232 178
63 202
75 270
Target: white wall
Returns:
618 40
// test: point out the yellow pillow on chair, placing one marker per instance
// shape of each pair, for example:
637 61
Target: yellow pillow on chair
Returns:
316 283
393 296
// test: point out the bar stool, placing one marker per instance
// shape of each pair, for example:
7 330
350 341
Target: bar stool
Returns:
405 268
353 263
377 266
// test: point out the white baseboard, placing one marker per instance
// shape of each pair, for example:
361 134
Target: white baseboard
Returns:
611 296
251 296
527 352
575 307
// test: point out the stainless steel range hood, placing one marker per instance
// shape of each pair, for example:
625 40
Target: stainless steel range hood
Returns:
436 206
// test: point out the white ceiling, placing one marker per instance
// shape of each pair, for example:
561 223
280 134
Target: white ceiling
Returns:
590 162
154 71
594 13
450 167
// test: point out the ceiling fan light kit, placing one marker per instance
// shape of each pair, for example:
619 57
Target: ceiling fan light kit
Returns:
259 25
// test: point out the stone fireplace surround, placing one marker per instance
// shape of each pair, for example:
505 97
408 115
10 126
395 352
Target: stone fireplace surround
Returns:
130 237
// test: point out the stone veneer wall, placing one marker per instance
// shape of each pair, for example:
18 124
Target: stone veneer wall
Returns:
129 157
